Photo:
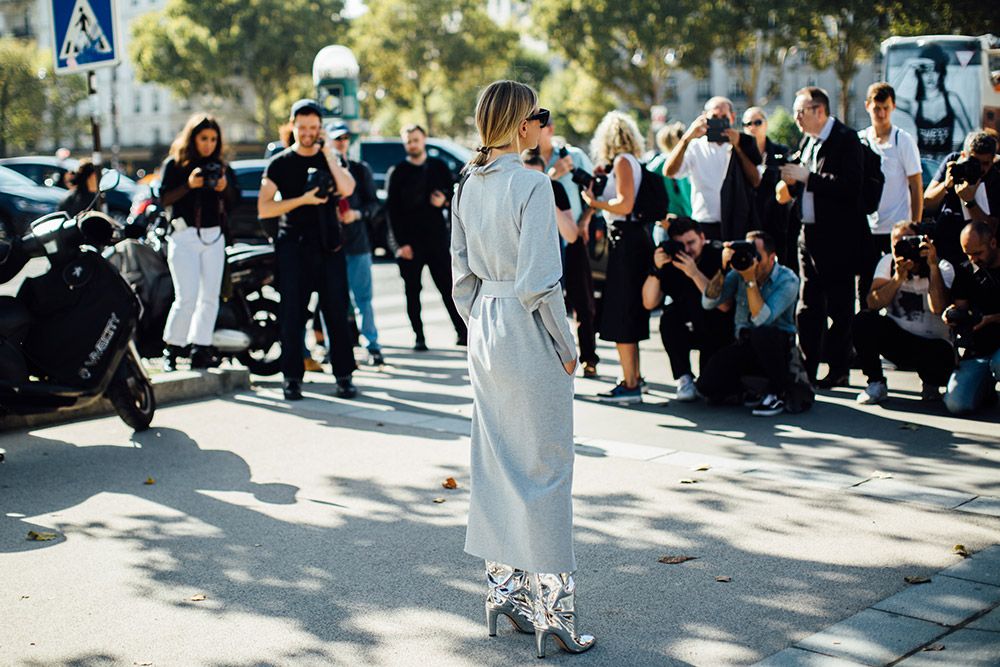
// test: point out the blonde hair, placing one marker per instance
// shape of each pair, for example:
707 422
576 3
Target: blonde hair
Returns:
500 110
669 135
616 134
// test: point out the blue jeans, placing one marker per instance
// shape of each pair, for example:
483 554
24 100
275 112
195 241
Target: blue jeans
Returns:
359 278
971 384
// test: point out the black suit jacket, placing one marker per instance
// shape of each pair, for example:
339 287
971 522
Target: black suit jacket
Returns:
840 239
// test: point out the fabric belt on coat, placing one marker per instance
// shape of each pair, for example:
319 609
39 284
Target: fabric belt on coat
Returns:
498 289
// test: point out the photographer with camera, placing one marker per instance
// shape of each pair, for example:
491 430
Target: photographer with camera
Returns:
568 165
684 263
966 187
974 319
764 294
912 284
198 190
310 176
84 184
722 165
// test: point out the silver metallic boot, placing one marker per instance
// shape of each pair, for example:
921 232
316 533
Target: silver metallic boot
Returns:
507 595
555 614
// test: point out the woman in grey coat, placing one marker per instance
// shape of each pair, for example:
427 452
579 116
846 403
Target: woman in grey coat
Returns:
506 269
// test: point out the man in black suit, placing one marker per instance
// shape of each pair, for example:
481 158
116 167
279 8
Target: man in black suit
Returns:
835 242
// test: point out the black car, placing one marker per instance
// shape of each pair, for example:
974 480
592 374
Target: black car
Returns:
244 225
22 201
51 172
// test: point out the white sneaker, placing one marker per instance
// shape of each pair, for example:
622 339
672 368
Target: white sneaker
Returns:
769 407
874 393
686 391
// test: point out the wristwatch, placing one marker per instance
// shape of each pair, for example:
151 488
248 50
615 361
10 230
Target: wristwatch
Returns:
751 283
970 204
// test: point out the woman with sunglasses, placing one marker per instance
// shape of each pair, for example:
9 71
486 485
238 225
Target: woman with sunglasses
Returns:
506 268
198 190
775 219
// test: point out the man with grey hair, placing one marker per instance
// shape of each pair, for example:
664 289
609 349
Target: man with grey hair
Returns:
721 186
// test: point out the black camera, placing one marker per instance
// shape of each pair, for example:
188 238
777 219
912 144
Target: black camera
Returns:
319 178
744 254
672 247
211 172
563 152
963 320
966 170
584 179
717 130
908 247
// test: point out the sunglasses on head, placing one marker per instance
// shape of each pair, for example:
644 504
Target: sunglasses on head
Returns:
542 116
756 122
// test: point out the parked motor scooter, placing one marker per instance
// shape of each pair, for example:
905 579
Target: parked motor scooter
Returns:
66 338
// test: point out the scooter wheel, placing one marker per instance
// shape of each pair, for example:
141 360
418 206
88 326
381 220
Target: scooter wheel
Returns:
131 394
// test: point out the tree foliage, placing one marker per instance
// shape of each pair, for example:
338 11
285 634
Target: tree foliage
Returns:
431 56
194 47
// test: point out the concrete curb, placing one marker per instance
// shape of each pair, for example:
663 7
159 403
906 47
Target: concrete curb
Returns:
168 388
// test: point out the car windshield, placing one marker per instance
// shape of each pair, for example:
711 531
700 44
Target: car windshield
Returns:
11 179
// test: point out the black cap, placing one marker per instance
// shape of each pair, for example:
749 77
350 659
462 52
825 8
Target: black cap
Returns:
338 130
306 105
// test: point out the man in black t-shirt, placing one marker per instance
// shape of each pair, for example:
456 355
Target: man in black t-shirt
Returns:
682 272
977 290
418 190
308 248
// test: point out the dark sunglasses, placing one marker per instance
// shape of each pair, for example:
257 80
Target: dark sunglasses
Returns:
757 122
542 116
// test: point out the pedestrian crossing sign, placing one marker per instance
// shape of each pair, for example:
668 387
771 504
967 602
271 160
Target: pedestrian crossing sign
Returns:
84 34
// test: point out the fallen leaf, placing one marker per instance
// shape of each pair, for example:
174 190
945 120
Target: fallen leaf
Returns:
450 483
724 579
702 468
439 500
676 560
688 481
149 481
878 474
25 597
933 647
41 537
198 597
147 663
380 423
910 427
917 580
959 550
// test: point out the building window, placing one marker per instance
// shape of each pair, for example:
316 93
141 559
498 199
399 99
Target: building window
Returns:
137 101
156 101
704 88
670 89
736 91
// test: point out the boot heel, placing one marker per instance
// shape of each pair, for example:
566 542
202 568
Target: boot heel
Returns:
491 620
540 637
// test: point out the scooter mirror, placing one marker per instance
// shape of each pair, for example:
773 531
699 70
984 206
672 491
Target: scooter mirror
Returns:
110 180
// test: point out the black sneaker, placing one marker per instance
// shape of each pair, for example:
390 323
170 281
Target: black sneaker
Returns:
204 356
346 388
293 390
420 345
833 379
622 395
769 407
375 358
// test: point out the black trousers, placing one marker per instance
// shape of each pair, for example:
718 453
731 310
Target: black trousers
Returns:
688 326
881 245
825 295
579 283
875 335
438 260
764 351
304 268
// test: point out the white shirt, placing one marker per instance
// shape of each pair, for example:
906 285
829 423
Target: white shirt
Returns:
706 163
910 308
611 190
808 202
900 160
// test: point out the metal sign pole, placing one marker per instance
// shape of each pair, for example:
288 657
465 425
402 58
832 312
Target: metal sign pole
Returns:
95 133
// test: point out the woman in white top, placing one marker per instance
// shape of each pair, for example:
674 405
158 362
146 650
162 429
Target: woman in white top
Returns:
506 269
624 320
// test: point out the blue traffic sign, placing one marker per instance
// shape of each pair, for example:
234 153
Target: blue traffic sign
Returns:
84 34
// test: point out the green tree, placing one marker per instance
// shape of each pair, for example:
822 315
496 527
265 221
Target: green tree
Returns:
63 95
578 102
782 129
226 46
632 47
22 96
431 56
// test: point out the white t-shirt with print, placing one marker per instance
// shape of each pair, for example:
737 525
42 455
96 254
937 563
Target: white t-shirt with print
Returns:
910 308
705 164
900 160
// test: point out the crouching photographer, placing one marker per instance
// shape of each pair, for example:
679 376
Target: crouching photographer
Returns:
198 190
765 294
974 319
912 285
684 264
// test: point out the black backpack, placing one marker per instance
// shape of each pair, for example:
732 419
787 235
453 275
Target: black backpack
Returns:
651 201
873 179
